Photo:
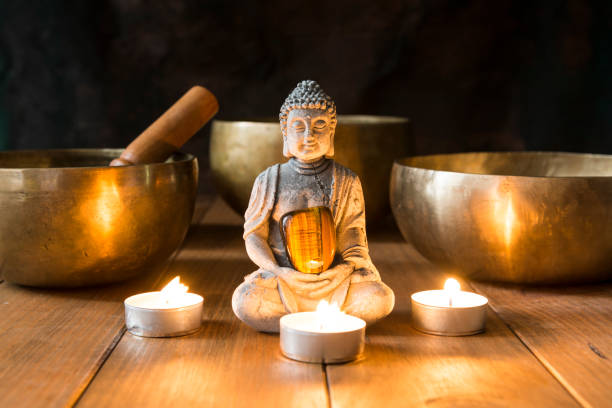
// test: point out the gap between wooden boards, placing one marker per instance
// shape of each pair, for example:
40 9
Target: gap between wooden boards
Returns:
203 204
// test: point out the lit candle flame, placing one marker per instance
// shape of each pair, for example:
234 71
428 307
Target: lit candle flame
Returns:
451 288
174 290
328 315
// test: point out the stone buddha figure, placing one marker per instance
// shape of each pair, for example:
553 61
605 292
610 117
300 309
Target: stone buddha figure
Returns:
309 179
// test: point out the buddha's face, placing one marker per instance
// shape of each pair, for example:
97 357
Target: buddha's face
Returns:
309 134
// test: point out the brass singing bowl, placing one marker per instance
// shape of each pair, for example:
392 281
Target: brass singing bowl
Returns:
67 219
368 145
522 217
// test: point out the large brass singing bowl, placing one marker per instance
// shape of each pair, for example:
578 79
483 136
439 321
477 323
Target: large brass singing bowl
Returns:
67 219
524 217
368 145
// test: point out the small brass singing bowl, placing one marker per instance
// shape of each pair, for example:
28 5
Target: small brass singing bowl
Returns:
521 217
368 145
67 219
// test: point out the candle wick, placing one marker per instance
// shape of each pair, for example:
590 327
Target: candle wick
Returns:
450 300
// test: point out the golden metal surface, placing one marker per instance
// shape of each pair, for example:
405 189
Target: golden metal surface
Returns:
66 219
240 150
524 217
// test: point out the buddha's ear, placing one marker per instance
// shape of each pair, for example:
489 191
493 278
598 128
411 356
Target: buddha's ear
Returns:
330 151
286 152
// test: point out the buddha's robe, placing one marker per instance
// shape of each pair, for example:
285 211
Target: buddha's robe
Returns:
262 298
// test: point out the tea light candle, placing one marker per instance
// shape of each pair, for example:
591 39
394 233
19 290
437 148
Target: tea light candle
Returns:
449 312
324 336
168 313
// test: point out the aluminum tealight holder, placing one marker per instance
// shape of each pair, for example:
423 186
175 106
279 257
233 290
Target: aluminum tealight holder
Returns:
171 312
301 340
144 318
464 319
449 312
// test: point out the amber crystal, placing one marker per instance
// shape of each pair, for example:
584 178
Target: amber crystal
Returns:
310 239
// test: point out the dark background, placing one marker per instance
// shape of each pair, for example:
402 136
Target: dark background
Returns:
473 75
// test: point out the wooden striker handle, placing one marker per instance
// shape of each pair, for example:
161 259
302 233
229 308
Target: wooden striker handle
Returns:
172 129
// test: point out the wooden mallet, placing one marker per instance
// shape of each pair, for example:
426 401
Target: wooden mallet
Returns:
172 129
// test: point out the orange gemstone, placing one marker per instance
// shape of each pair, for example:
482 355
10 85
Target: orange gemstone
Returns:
310 239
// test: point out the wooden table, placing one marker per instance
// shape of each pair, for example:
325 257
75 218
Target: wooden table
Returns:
543 346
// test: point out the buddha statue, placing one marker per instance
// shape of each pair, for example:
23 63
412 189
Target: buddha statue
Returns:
311 179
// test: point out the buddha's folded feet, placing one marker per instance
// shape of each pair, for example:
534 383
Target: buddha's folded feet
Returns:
369 300
257 302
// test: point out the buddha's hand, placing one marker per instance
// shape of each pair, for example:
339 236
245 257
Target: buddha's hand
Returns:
333 276
301 283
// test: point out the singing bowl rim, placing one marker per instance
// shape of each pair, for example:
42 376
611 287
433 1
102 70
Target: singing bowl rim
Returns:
70 190
346 120
234 167
405 162
410 176
95 153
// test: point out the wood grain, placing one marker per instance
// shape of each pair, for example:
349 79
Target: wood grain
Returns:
54 341
58 347
226 363
403 367
569 329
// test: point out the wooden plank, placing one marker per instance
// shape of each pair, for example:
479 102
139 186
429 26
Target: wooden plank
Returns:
403 367
226 363
52 342
568 328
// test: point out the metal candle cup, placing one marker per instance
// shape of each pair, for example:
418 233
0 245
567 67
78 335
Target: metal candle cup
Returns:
445 313
303 337
162 314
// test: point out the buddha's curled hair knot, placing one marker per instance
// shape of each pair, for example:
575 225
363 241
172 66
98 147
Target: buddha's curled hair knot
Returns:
307 94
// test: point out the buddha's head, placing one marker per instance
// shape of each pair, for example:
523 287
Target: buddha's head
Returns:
308 122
